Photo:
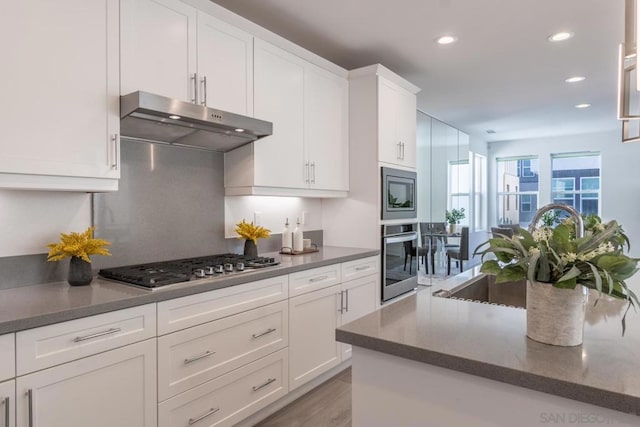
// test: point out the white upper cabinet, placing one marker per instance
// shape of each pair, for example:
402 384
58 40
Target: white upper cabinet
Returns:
158 48
397 124
278 98
170 48
326 129
60 97
307 155
225 66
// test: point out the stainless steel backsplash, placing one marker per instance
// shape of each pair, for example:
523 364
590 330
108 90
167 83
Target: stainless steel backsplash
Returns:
170 204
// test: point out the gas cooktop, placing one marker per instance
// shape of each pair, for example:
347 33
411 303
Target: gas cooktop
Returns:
157 274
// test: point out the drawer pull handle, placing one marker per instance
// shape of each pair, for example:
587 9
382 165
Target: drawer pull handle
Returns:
96 335
32 405
268 331
6 411
317 279
202 356
266 383
212 411
364 267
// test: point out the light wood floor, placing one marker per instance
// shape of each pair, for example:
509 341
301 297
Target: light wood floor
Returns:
328 405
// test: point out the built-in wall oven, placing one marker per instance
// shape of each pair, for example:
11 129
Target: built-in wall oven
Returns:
398 194
399 260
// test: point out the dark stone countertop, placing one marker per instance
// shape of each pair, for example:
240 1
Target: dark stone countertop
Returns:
38 305
491 342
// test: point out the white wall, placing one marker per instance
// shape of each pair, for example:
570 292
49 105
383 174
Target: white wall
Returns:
272 212
31 219
620 174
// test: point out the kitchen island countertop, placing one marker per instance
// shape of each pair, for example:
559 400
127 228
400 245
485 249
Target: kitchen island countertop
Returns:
39 305
490 342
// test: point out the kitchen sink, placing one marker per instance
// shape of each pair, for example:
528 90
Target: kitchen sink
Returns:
484 289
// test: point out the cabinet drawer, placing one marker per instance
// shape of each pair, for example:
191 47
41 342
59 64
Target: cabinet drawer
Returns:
191 357
7 356
359 268
181 313
62 342
314 279
230 398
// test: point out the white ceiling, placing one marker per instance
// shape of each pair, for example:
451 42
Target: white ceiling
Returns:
502 74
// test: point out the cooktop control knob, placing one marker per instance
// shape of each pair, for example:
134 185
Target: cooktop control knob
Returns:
240 266
199 272
228 267
218 268
208 270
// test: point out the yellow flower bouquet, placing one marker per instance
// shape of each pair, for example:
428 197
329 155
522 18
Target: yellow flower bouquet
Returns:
251 233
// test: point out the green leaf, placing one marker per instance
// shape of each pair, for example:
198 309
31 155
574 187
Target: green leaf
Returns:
533 263
544 272
566 284
527 239
596 277
511 273
560 237
490 267
571 274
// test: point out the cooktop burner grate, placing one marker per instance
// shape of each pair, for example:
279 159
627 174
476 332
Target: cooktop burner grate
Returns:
153 275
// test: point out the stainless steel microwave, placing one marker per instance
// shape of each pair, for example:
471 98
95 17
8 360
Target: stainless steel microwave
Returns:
398 194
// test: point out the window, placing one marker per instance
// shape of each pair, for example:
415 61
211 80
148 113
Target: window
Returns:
479 195
460 183
575 181
517 193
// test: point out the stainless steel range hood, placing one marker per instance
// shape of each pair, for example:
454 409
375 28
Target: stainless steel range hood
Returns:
154 118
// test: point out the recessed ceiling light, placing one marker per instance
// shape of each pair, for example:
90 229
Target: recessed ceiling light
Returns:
575 79
239 130
174 117
446 39
583 105
490 131
561 36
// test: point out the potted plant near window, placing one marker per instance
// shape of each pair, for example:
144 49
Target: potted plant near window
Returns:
453 218
560 267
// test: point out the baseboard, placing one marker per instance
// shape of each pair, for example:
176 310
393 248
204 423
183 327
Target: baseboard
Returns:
291 396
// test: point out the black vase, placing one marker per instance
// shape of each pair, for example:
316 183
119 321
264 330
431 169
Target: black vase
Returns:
250 249
79 272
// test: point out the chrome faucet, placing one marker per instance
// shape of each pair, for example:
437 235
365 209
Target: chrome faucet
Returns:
571 211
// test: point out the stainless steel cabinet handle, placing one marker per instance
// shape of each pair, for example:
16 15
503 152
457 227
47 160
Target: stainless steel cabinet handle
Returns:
341 302
307 174
268 331
204 90
266 383
31 408
96 335
313 172
115 161
399 156
6 411
202 417
194 79
317 279
202 356
364 267
347 301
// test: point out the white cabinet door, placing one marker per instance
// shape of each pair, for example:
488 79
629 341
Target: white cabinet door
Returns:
7 356
225 66
397 124
359 299
115 388
313 349
326 128
59 85
158 48
389 150
8 404
406 127
278 98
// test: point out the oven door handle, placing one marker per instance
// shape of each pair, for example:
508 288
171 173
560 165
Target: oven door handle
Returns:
401 238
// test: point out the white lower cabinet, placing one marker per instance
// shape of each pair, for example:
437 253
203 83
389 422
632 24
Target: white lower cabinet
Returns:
314 317
8 404
230 398
359 298
114 388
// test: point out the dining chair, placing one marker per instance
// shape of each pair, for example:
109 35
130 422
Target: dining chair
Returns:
411 252
500 231
461 253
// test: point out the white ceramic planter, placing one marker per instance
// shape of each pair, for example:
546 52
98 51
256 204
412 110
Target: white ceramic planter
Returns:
556 316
